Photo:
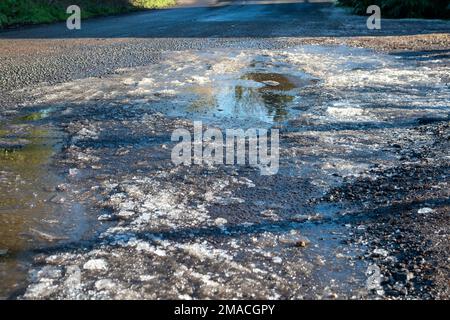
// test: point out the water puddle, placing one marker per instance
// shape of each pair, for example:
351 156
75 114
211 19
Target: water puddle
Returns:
34 212
258 96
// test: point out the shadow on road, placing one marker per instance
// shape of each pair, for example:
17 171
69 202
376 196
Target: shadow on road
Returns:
260 19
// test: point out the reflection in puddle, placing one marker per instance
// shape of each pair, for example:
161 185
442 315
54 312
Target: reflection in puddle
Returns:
267 97
272 81
32 212
24 153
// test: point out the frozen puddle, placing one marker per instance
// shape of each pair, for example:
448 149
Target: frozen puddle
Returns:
226 232
267 97
248 87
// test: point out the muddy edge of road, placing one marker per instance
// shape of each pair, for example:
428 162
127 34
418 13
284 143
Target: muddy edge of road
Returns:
395 208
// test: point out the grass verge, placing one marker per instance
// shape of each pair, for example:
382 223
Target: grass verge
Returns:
431 9
21 12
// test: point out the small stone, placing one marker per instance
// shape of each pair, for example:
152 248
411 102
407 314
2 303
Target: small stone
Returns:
61 187
3 252
425 210
302 243
333 295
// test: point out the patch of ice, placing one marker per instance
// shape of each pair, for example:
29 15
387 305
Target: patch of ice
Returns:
199 79
220 222
73 280
346 113
147 277
40 290
381 252
73 171
202 252
105 284
425 210
96 265
277 260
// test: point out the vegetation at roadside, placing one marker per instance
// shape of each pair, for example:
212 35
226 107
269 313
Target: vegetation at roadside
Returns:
403 8
18 12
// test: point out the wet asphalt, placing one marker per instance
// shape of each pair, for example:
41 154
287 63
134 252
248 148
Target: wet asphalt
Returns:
51 54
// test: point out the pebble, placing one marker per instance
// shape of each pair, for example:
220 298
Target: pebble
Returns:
62 187
302 243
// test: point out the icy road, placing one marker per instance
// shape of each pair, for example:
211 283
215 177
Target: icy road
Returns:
92 207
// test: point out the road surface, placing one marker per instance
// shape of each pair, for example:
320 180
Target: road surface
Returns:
93 207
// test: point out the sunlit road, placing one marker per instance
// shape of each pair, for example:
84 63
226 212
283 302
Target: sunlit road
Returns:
92 206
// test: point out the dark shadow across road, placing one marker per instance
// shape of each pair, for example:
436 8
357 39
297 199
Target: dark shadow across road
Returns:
265 19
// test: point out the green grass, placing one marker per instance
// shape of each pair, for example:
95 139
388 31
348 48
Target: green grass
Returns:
19 12
403 8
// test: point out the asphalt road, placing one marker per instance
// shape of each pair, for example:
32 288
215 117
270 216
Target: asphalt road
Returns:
363 121
230 19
